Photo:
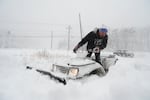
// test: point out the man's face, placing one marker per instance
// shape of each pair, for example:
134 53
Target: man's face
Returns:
102 34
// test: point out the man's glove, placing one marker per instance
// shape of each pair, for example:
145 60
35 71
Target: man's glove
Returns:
75 49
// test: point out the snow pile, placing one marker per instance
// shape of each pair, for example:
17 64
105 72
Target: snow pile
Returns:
127 80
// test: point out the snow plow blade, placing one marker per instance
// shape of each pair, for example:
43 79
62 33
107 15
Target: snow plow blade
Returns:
53 77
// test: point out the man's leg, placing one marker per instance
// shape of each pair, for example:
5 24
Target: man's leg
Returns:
97 58
89 54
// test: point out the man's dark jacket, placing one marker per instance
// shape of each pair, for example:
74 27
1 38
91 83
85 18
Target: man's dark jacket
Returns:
94 40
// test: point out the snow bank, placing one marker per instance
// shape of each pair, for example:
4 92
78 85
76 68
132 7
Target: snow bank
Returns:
127 80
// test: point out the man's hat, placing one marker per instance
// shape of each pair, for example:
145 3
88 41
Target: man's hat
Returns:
103 30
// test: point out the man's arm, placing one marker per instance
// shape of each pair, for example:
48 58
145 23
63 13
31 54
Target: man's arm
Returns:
82 42
104 42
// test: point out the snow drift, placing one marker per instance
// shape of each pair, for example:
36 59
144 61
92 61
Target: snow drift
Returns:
127 80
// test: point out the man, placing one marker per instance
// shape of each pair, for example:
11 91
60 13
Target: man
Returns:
96 41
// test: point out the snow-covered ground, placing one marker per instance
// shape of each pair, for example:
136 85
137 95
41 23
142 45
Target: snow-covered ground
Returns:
127 80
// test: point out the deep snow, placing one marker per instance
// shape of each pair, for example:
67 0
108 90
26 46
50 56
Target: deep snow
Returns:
127 80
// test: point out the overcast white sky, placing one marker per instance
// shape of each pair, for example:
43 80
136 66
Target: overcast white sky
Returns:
94 13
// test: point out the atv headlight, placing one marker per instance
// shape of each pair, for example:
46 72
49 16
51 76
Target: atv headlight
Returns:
73 71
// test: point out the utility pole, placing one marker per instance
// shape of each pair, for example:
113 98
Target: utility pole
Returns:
80 25
7 39
51 39
69 28
81 31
